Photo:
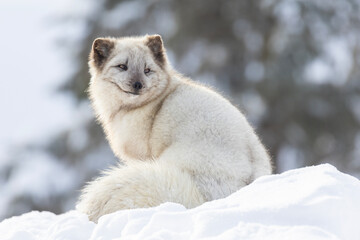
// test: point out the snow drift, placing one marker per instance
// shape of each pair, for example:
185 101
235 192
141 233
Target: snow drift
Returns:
308 203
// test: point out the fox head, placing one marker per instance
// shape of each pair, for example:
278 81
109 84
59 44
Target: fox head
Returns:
129 71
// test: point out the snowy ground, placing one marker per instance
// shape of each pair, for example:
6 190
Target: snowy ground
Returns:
308 203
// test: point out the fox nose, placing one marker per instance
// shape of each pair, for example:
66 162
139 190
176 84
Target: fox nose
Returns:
137 86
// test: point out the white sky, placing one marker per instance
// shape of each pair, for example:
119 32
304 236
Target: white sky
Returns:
31 67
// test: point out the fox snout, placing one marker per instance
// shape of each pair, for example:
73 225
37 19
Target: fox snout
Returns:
136 81
137 86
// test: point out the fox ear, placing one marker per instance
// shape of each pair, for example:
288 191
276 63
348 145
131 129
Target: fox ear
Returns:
101 50
155 43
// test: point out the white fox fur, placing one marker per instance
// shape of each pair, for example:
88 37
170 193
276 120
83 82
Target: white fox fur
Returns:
179 141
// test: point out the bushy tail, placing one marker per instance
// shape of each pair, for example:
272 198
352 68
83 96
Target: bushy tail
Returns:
136 186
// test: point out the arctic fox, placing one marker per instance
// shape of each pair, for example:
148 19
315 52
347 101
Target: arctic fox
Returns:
179 141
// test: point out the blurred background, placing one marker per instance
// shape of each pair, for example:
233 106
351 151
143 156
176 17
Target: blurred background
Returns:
293 67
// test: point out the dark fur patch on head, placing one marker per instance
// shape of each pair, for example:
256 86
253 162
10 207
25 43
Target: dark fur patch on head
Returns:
155 43
101 50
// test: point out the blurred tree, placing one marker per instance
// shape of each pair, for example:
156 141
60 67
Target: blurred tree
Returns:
291 66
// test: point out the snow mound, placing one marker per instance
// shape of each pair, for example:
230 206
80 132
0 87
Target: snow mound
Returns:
308 203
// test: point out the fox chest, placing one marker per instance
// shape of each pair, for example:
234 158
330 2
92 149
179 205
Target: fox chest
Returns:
129 137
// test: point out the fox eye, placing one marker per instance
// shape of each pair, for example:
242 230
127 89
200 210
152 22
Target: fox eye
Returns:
122 67
147 70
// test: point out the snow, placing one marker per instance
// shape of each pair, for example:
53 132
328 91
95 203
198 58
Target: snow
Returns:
316 202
